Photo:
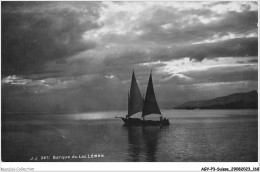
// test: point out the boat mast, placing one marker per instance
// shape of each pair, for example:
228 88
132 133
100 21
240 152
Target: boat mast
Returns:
143 100
128 103
135 102
150 105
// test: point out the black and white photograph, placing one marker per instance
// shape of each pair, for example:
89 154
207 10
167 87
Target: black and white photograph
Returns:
126 81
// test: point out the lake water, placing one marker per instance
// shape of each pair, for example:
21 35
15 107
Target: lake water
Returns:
193 136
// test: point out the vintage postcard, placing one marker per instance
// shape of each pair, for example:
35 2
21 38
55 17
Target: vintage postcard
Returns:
126 81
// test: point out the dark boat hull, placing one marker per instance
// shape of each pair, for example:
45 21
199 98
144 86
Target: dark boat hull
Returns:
140 122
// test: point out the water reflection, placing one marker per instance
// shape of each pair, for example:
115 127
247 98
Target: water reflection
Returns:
135 142
143 142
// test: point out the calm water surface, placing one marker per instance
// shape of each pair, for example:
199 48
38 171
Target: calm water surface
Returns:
194 135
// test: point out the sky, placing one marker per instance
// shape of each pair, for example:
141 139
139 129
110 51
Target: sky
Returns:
67 56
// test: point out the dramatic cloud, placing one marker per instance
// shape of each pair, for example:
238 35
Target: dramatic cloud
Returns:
230 48
60 55
36 32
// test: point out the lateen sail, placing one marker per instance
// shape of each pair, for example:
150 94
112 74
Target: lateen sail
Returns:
150 104
135 100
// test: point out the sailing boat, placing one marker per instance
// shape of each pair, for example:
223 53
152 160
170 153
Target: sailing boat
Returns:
147 105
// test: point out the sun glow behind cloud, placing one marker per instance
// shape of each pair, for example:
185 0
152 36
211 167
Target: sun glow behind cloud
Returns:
228 36
187 65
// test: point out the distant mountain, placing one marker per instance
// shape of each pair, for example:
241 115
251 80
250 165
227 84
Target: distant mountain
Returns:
247 100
